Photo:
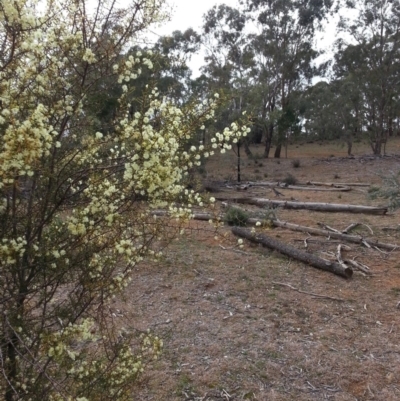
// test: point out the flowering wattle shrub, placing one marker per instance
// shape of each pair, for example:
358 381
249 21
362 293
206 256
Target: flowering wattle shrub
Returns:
76 204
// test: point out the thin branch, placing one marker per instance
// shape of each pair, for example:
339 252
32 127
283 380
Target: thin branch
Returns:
234 250
354 225
309 293
326 227
359 266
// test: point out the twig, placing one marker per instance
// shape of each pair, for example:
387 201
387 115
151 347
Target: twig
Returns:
320 241
391 228
329 228
370 391
276 192
362 264
339 254
365 243
328 253
380 250
309 293
350 227
354 225
369 228
234 250
359 266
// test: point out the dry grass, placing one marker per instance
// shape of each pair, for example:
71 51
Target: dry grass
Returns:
231 334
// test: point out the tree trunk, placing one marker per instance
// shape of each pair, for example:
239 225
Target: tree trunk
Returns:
286 145
294 253
11 361
270 128
268 140
377 147
390 125
278 150
238 160
247 149
11 367
349 147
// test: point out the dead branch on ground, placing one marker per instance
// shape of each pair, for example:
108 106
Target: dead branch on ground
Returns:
358 265
338 184
355 239
309 293
354 225
319 207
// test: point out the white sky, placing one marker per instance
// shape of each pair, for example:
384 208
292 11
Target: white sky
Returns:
189 14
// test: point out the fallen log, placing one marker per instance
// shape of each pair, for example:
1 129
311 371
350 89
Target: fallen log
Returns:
294 253
264 183
331 189
314 183
302 187
355 239
318 207
338 184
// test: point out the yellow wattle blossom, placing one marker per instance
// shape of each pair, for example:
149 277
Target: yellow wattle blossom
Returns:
78 200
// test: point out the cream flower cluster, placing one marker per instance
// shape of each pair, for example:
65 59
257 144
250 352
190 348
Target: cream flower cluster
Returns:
66 347
153 158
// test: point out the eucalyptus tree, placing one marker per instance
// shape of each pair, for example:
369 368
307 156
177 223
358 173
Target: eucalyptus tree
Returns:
229 59
284 55
350 72
174 53
331 111
171 75
376 32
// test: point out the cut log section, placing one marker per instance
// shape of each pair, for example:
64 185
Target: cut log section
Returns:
318 207
294 253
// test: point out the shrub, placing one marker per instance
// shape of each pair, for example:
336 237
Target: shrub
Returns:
390 189
296 163
236 217
290 180
77 200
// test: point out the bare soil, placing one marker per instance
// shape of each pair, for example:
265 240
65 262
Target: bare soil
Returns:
231 332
